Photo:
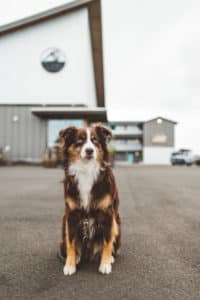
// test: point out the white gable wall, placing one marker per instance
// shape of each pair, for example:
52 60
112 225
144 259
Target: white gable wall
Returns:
23 79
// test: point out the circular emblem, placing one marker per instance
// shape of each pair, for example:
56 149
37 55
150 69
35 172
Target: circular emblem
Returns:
53 60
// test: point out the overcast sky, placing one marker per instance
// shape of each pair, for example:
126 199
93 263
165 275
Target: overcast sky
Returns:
151 57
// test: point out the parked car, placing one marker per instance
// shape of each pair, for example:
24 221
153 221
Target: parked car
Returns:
182 157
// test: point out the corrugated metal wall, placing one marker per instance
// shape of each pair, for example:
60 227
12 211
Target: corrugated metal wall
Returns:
152 128
23 139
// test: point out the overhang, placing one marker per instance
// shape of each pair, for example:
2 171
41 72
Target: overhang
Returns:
96 114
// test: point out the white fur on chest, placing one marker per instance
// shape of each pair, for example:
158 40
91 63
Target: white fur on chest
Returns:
86 173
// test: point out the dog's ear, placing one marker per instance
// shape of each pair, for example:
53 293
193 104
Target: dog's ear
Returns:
68 134
103 133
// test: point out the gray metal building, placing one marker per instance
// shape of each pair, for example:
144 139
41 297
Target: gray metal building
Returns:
22 134
25 130
158 132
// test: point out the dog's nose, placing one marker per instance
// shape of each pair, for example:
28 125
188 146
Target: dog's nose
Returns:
89 151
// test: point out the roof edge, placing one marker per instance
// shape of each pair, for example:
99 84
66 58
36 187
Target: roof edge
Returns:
42 15
160 117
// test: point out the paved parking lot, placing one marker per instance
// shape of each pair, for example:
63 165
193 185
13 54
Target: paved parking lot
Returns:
160 209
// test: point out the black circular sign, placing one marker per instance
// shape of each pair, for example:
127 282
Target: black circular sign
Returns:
53 60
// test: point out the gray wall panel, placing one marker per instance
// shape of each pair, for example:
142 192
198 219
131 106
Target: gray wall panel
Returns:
26 137
152 129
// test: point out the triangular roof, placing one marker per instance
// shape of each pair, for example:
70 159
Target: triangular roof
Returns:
159 117
94 11
43 15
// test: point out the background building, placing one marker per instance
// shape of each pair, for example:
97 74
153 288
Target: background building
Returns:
158 140
150 142
128 141
51 73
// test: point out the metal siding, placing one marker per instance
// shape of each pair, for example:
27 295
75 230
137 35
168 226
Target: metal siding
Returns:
152 128
15 132
2 132
9 132
26 137
23 119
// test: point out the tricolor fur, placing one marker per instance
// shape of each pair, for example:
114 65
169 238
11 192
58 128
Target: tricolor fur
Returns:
91 223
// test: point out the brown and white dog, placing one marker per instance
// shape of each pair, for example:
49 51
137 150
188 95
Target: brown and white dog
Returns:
91 223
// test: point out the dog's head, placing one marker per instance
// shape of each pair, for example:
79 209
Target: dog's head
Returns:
86 143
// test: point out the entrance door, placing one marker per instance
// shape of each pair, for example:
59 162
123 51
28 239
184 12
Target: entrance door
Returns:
130 157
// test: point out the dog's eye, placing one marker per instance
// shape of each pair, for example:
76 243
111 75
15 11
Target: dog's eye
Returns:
95 141
79 142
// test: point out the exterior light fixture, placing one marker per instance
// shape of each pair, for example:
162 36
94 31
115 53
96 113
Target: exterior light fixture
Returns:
15 118
7 148
159 121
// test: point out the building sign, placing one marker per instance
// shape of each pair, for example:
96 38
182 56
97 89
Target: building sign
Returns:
159 139
53 60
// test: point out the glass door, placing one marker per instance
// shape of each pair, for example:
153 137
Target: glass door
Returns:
54 126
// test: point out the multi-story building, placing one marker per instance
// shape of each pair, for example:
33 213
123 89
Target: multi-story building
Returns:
150 142
127 141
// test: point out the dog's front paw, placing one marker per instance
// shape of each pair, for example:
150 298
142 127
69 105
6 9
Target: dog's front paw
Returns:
112 260
105 268
69 270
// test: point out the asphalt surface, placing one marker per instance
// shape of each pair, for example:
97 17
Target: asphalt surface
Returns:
160 259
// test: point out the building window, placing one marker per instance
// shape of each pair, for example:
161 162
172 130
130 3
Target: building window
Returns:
53 60
54 126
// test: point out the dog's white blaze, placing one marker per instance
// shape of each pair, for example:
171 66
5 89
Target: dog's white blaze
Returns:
86 173
87 145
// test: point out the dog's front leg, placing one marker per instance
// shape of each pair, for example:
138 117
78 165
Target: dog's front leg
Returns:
70 265
106 257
